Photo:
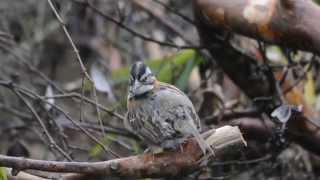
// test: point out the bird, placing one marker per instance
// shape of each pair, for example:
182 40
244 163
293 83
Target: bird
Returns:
160 113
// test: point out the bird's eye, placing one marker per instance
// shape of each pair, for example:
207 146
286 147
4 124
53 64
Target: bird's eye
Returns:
144 78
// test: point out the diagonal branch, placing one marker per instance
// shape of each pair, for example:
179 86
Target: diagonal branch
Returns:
52 142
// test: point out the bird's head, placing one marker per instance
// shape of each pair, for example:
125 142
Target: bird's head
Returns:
141 80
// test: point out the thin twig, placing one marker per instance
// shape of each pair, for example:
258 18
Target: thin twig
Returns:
272 80
35 96
176 12
309 66
15 112
49 81
157 16
81 99
75 49
52 142
105 148
78 96
27 116
97 109
111 130
83 68
130 30
31 67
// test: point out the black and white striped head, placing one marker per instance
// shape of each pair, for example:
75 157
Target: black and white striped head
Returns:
141 79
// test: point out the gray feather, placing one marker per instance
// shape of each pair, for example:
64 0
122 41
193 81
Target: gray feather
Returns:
165 114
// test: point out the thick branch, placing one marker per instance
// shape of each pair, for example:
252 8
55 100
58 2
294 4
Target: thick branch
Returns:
256 80
224 139
292 23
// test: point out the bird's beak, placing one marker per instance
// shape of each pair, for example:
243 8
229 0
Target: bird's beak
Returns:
138 89
130 95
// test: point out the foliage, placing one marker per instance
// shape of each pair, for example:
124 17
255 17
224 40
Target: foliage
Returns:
3 173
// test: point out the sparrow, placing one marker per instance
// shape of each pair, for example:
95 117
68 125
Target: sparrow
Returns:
160 113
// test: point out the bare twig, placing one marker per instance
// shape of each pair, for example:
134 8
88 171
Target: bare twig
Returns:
83 68
35 96
98 110
300 78
227 116
27 116
31 67
15 112
245 162
48 80
52 142
130 30
106 149
144 5
112 130
78 96
81 99
75 49
176 12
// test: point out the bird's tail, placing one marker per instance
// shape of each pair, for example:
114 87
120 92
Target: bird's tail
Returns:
202 143
204 146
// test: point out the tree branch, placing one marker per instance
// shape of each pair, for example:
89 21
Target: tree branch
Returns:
215 19
169 163
291 23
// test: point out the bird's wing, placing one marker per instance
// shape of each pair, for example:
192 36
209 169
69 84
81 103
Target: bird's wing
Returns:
149 120
171 94
181 114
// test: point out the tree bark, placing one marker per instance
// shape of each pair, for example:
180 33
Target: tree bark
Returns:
291 23
169 163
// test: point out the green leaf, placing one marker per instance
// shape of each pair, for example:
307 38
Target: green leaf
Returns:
3 173
174 66
182 81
